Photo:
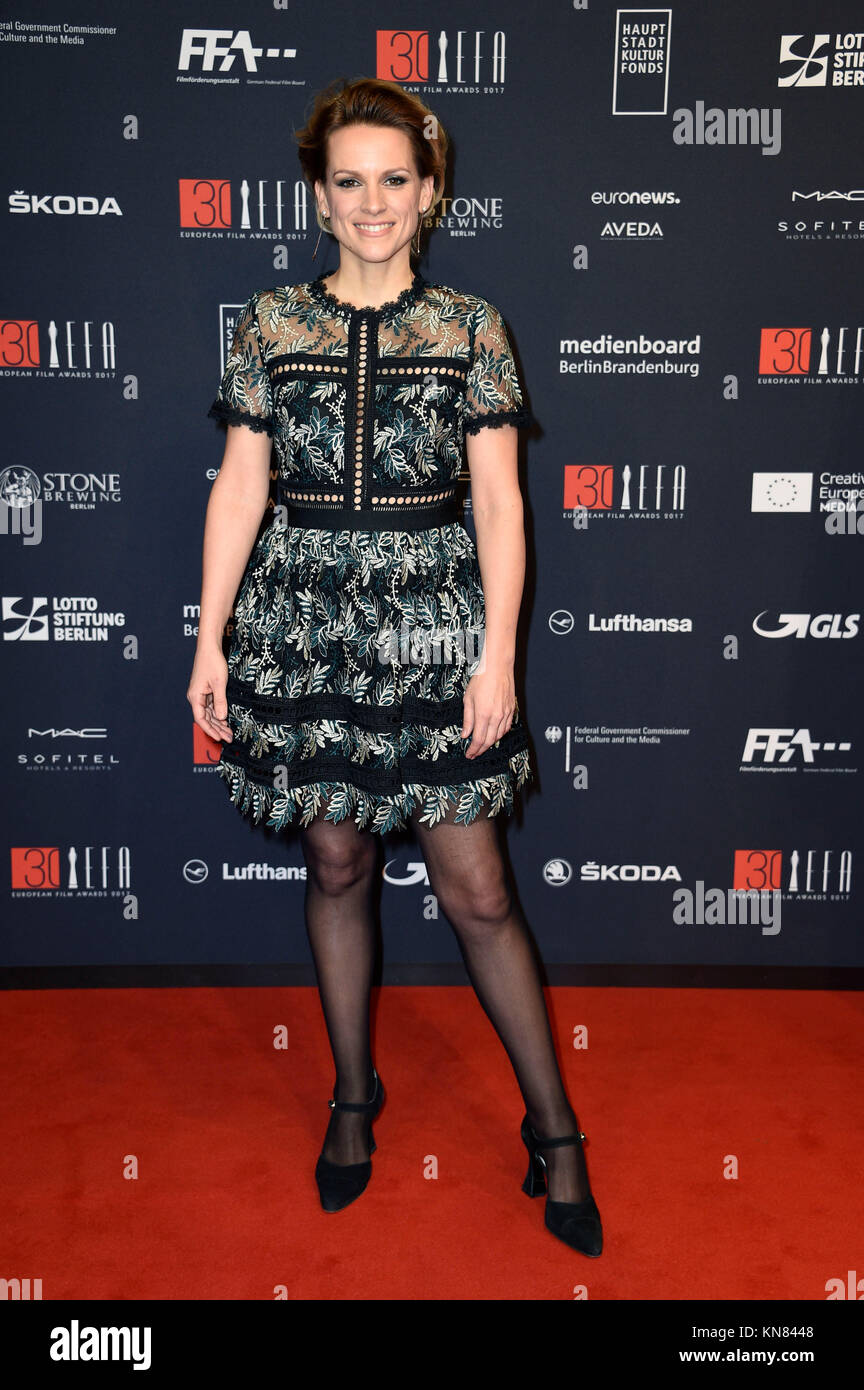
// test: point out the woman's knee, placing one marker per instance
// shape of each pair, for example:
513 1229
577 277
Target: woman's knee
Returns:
477 909
336 863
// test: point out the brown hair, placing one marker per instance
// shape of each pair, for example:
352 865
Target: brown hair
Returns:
372 101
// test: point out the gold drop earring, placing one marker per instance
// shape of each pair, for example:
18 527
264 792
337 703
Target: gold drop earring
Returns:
416 249
320 219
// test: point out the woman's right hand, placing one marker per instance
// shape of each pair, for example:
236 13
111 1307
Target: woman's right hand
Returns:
206 694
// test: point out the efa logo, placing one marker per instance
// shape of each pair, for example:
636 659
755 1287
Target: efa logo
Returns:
264 205
785 351
403 55
19 343
588 486
789 351
648 488
782 745
224 46
757 868
44 868
205 202
72 344
806 625
811 872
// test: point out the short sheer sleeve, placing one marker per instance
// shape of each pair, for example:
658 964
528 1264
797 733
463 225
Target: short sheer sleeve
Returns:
493 393
244 395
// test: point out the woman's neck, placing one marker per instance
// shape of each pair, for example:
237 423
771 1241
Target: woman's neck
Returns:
371 290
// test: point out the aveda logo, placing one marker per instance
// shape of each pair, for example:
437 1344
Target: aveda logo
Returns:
63 204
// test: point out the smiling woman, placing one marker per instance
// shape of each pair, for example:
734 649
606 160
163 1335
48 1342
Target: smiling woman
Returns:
372 195
372 384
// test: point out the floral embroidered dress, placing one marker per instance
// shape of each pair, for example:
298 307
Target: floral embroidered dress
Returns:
360 617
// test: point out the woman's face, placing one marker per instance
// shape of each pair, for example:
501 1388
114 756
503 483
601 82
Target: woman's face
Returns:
373 193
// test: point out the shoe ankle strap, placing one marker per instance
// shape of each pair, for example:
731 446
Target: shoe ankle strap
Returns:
555 1143
558 1143
356 1105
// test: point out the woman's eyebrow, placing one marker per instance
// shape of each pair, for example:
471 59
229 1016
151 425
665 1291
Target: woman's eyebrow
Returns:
400 170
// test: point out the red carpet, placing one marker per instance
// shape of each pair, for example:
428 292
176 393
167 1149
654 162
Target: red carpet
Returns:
226 1129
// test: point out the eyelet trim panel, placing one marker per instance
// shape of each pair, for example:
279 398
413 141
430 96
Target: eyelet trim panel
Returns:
364 384
307 364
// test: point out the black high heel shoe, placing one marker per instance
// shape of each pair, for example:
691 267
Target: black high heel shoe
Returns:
339 1184
576 1223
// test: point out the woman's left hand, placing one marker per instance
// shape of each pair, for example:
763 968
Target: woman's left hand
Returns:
489 705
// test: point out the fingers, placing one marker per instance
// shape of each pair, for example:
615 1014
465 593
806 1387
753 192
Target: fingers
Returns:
486 731
467 715
215 727
210 713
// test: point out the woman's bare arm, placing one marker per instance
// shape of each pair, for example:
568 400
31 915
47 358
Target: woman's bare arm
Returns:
499 523
236 505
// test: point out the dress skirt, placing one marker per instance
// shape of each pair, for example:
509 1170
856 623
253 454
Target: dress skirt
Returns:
347 666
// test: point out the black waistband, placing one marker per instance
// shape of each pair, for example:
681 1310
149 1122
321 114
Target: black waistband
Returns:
417 515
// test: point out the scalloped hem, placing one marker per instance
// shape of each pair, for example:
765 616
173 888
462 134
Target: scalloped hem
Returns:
229 415
522 419
378 813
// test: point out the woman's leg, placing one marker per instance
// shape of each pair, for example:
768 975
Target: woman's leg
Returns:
469 878
341 863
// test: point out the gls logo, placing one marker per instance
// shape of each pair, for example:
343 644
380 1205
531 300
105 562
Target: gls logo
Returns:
210 44
770 742
63 204
803 625
416 874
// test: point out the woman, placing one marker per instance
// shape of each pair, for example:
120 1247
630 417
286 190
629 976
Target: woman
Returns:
336 710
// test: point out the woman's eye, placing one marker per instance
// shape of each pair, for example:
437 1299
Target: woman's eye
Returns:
343 183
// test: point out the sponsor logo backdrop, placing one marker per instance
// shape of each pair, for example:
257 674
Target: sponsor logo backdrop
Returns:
667 205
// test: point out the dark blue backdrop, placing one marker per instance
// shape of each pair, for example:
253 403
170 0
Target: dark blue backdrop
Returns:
607 199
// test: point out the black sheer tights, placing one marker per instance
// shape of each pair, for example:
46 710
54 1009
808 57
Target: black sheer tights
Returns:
468 876
341 869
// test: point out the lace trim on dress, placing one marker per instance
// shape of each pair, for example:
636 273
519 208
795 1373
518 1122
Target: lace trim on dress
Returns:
262 424
446 770
379 811
522 419
389 310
